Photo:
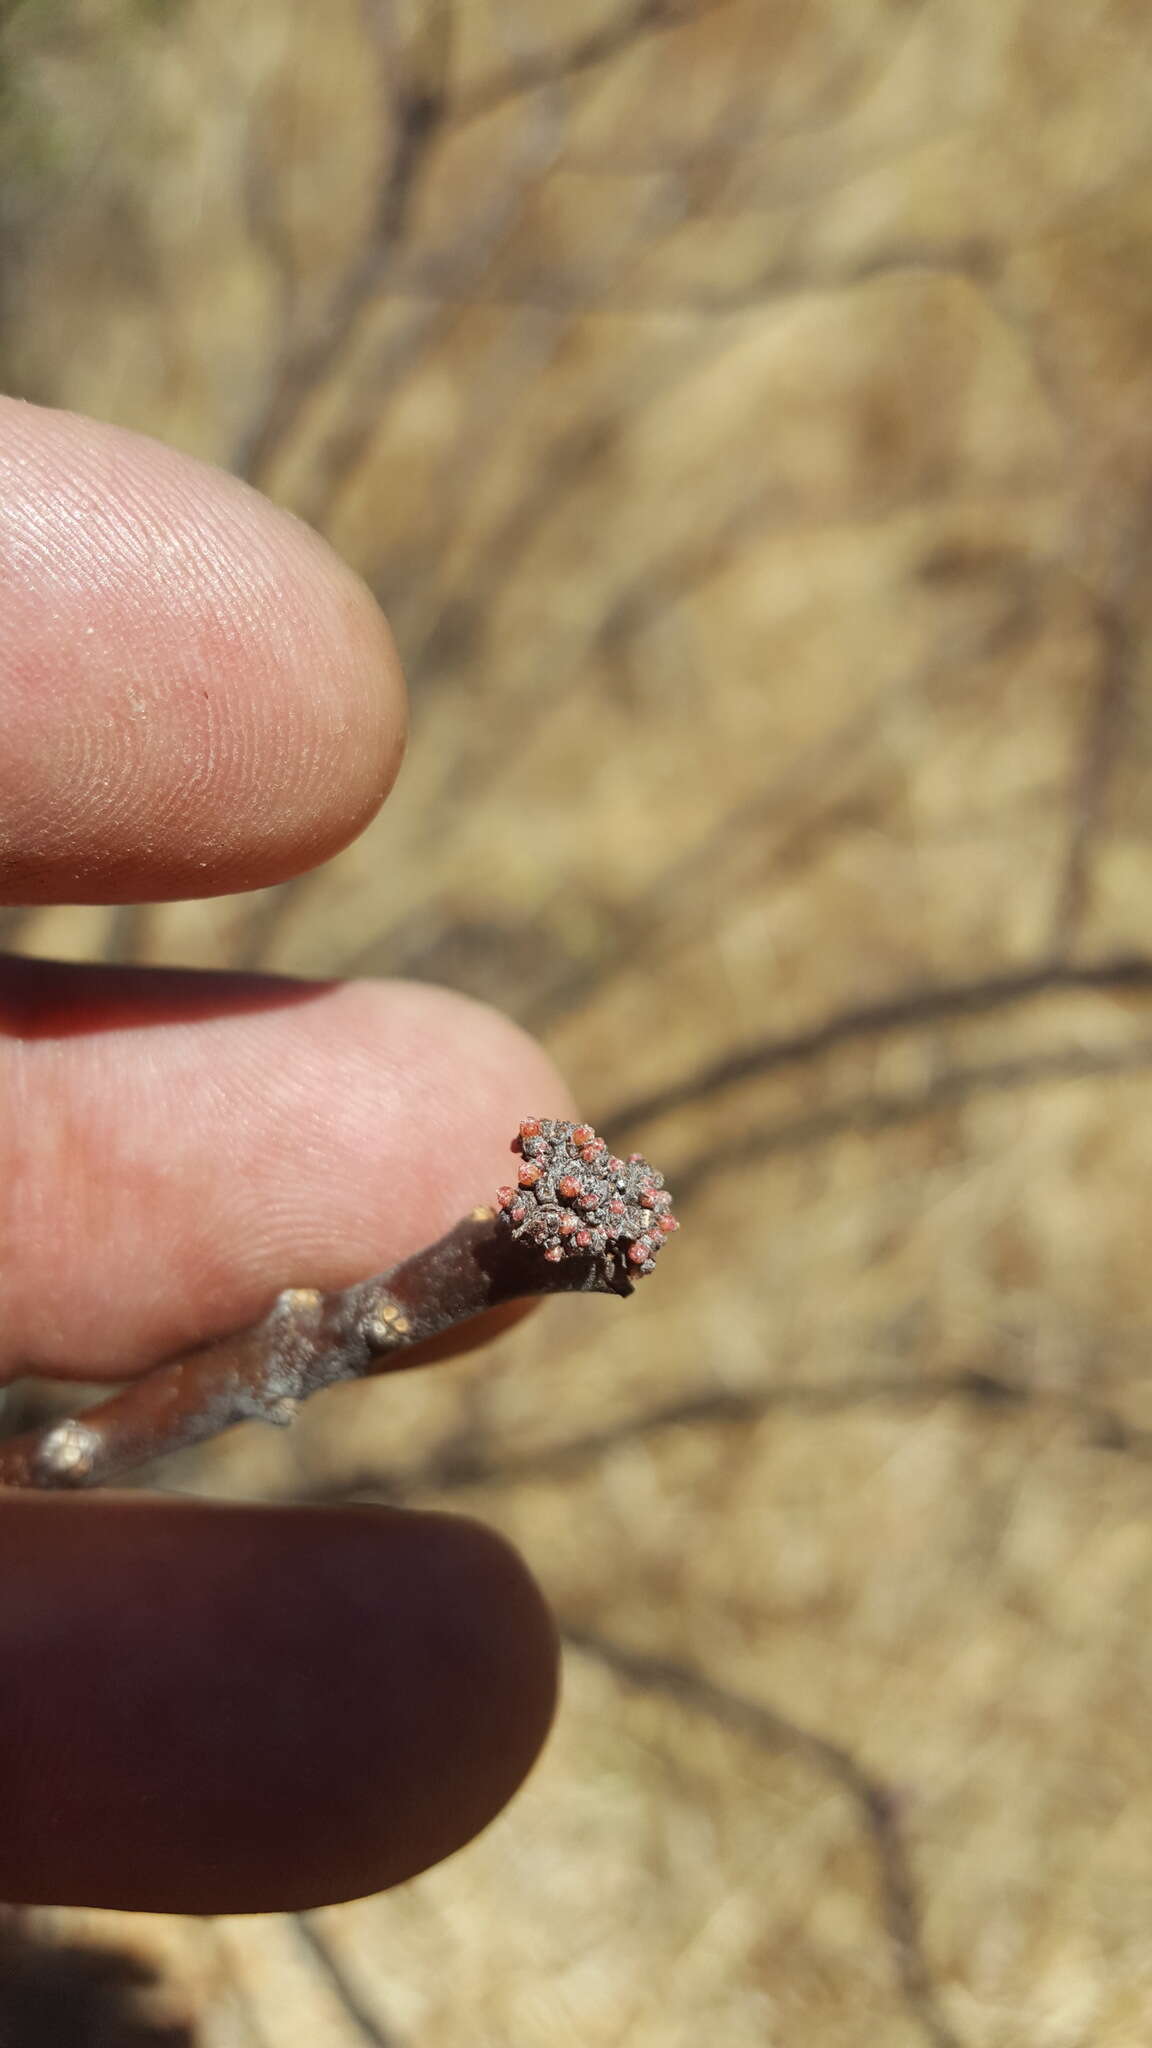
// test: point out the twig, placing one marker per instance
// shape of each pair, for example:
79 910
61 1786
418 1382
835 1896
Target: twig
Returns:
352 2005
579 1221
952 1086
876 1803
1101 747
1121 974
460 1463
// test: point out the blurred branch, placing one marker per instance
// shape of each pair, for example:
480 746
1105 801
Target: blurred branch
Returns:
460 1463
1105 723
352 2006
823 792
369 390
417 105
587 295
887 1112
422 109
876 1804
1125 974
648 18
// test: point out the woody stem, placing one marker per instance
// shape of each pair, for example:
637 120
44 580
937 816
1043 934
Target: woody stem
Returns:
307 1341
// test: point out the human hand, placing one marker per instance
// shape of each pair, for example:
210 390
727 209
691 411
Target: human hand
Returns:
208 1708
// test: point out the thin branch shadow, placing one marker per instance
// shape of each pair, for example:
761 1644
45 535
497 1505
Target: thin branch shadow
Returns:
877 1805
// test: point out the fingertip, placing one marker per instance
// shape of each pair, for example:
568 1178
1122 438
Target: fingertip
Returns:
211 1709
197 695
358 1121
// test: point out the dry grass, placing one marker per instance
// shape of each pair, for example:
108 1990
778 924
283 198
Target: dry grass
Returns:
745 413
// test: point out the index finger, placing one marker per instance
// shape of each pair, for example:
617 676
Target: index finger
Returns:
196 695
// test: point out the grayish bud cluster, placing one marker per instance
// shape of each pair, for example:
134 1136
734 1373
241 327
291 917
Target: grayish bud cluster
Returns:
575 1199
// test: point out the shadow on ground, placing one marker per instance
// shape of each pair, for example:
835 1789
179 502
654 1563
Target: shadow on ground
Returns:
68 1995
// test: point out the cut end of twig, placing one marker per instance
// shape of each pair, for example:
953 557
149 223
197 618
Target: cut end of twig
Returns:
575 1199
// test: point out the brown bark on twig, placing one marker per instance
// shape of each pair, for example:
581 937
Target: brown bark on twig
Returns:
580 1222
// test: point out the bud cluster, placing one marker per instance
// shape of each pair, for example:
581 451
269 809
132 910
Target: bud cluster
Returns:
575 1199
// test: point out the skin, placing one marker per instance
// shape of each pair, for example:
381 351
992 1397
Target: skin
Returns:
207 1708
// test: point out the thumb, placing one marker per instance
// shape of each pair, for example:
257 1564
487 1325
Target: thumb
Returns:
219 1709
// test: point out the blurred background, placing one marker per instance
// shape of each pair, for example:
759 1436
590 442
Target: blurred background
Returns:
743 409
